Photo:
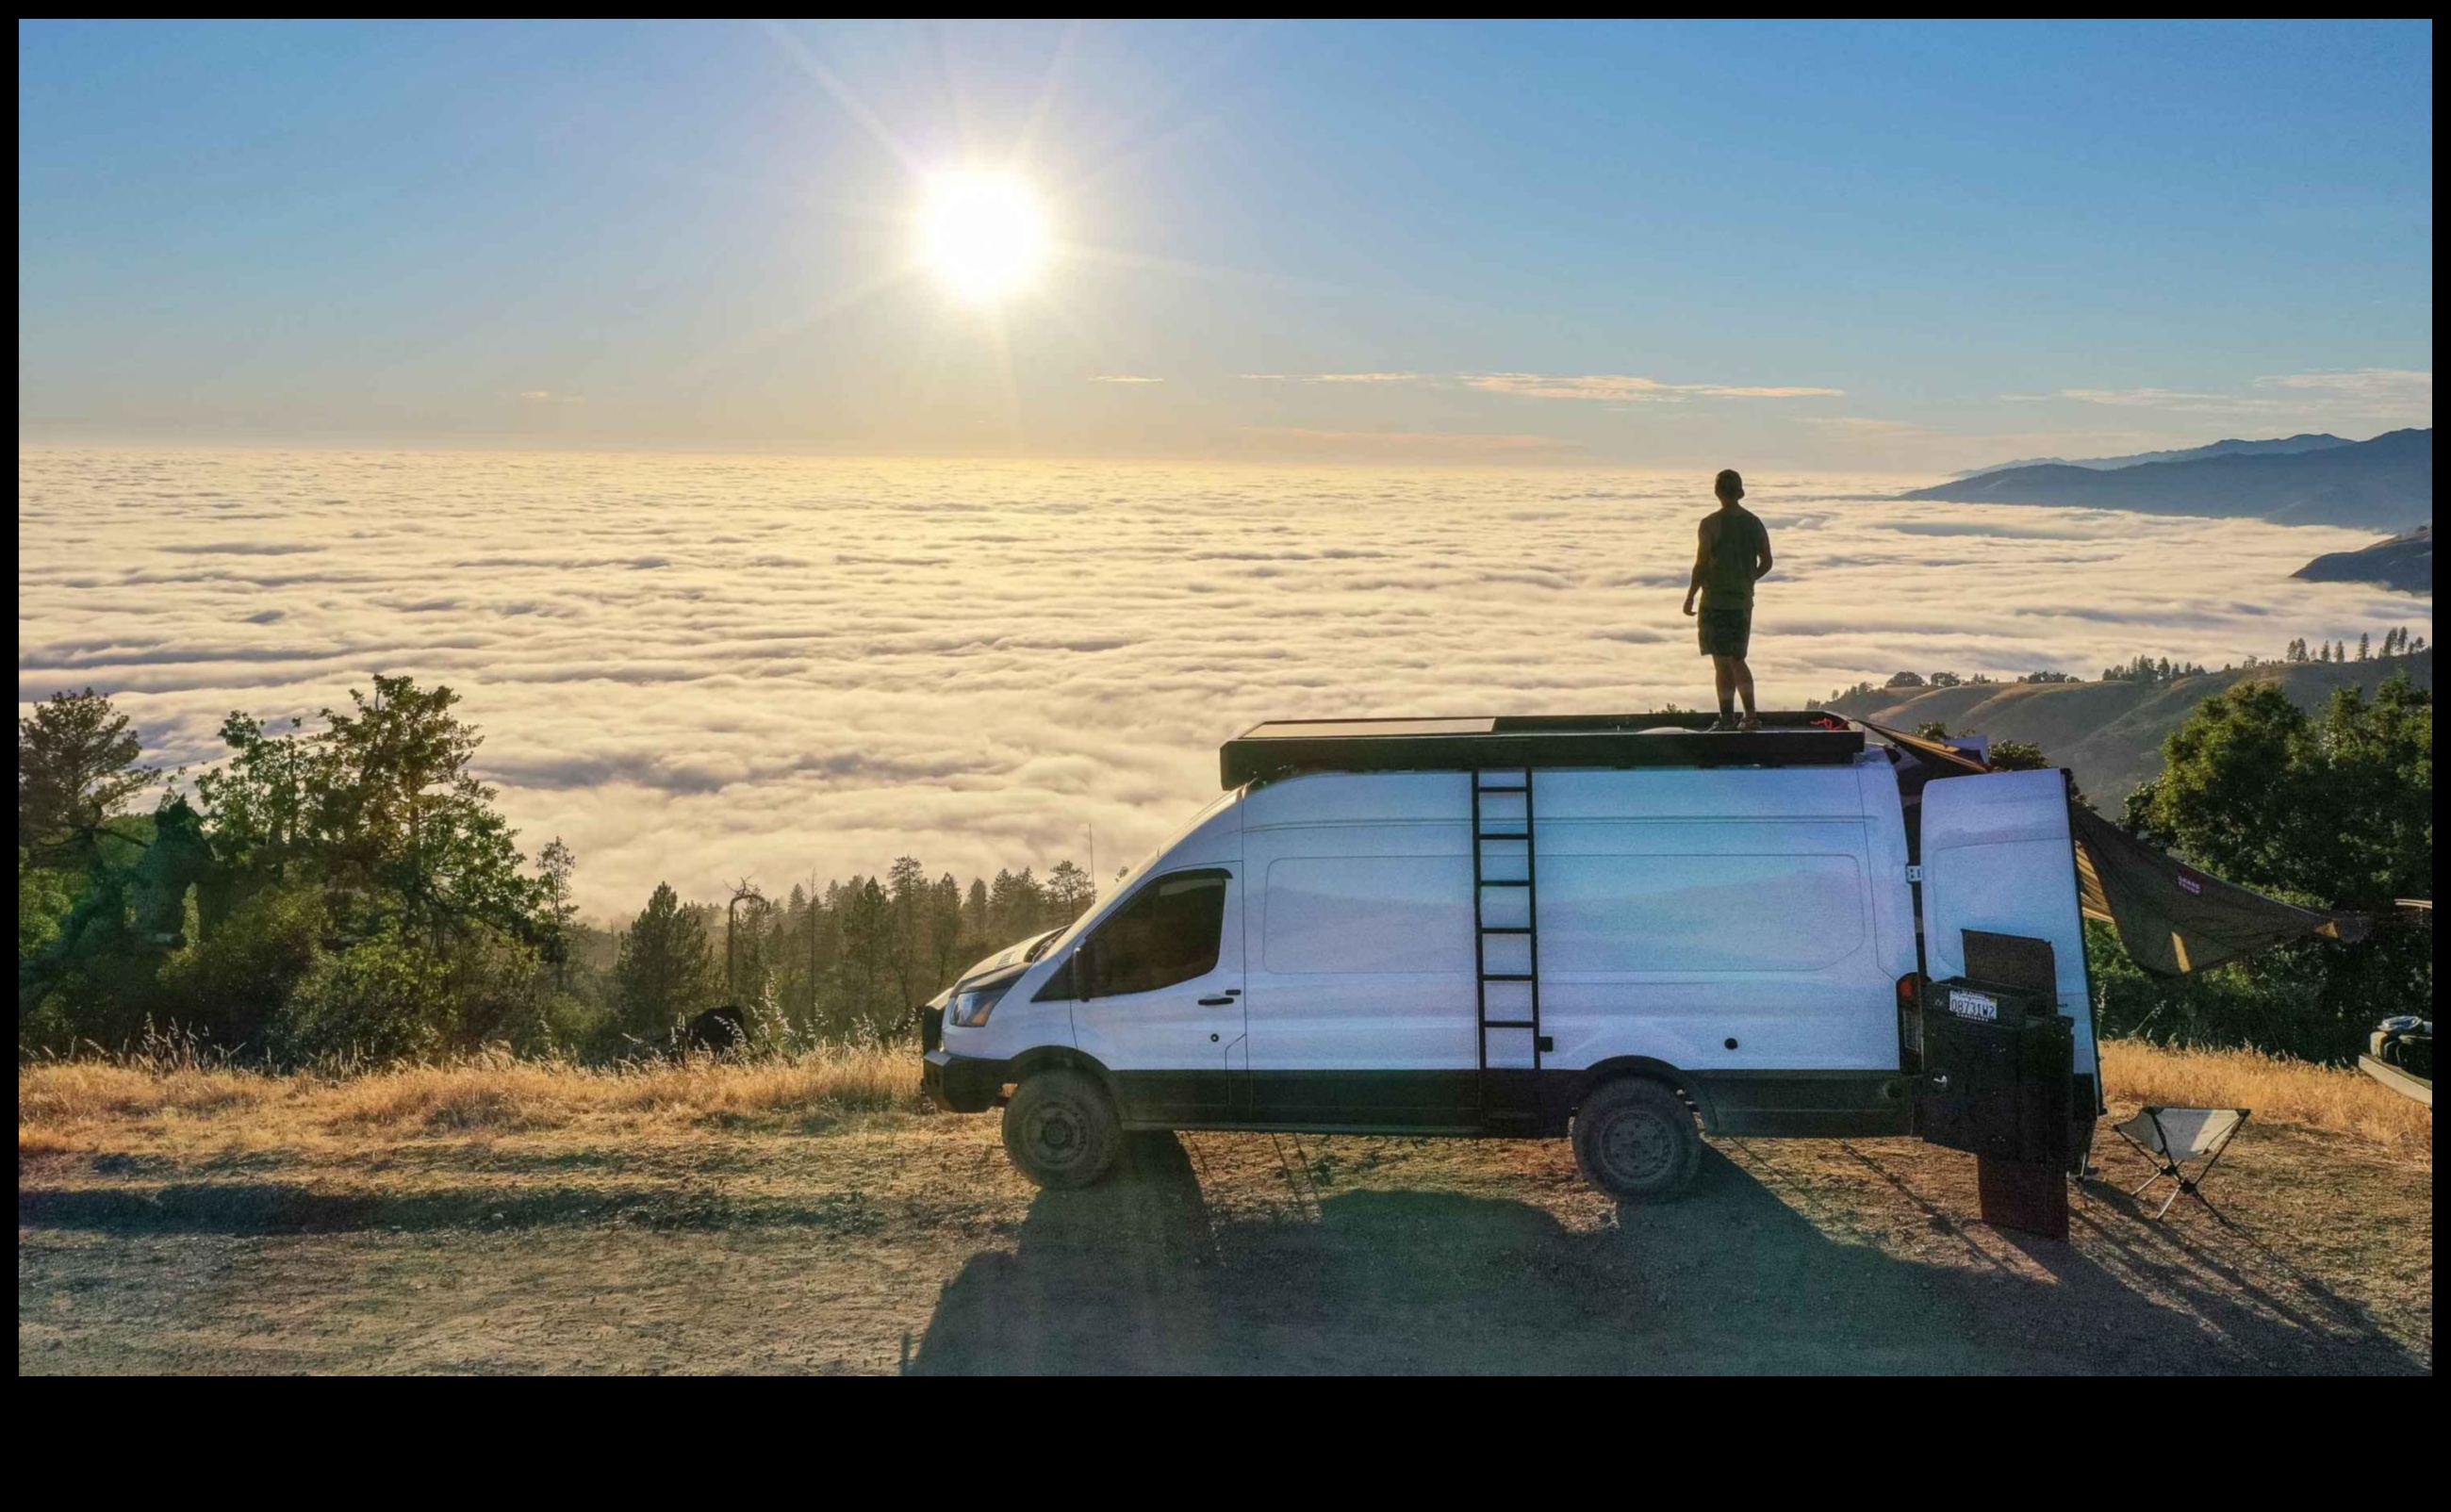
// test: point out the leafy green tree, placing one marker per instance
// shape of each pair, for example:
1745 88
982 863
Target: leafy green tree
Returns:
401 811
2018 756
2336 811
258 799
44 898
666 971
77 768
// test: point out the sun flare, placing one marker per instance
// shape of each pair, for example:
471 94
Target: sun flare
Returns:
984 235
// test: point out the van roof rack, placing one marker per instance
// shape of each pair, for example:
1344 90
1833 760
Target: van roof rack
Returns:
1283 748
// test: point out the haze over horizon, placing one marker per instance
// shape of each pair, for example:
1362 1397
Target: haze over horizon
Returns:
1903 248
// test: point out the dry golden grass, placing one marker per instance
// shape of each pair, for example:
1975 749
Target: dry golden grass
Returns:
480 1094
501 1094
2279 1090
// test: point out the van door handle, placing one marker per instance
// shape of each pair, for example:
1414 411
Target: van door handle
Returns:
1226 1001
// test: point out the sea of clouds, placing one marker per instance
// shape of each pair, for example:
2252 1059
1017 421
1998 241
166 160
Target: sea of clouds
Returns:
698 668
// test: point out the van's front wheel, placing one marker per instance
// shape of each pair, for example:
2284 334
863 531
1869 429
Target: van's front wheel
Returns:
1634 1140
1060 1129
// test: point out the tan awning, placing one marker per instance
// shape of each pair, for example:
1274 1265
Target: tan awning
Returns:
2173 918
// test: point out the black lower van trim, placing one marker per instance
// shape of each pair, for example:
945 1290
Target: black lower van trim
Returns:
1824 1105
1521 1104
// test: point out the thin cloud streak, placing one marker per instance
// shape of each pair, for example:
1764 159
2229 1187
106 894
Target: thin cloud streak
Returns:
1623 388
1334 378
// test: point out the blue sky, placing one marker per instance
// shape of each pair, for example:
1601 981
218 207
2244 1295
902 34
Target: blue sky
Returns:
1909 247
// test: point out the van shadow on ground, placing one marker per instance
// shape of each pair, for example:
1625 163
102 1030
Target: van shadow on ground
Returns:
1129 1277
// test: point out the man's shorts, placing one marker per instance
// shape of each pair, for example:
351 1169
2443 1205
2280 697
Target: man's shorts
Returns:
1725 630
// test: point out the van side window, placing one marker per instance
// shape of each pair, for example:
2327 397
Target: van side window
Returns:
1167 933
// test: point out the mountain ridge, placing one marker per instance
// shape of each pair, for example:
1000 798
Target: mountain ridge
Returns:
2278 446
2403 563
2386 482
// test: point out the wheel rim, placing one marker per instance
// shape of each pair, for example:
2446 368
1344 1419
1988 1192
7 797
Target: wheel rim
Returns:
1638 1148
1057 1134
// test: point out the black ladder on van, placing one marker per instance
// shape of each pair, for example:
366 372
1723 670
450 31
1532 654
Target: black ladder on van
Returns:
1507 949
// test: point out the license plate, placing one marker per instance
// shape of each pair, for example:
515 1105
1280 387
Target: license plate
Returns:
1974 1005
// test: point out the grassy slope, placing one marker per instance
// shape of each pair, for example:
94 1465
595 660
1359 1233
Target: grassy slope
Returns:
2110 732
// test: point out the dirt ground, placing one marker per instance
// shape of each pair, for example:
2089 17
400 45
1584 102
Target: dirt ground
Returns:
905 1243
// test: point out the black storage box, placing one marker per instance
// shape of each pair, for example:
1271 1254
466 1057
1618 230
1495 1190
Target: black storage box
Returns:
1998 1063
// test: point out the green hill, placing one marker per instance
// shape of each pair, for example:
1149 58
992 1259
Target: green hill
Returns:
2110 732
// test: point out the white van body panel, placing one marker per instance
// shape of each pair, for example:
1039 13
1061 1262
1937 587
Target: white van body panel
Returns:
1678 909
1358 953
1997 856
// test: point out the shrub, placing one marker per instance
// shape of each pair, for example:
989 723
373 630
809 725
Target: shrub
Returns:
382 999
233 982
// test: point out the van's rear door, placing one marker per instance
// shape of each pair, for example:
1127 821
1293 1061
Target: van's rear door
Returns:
1997 857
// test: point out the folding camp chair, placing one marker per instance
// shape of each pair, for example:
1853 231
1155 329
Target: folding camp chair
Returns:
2172 1136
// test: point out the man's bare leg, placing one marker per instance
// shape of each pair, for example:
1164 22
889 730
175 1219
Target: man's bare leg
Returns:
1723 674
1743 677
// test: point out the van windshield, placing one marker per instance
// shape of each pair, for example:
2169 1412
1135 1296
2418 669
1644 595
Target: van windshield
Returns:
1129 877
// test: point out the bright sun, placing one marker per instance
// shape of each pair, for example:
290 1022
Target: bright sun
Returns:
984 235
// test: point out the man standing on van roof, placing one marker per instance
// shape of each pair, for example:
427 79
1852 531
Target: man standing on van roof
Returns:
1734 551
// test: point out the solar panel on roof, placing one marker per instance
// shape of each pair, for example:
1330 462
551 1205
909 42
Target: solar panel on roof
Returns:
1288 747
1317 729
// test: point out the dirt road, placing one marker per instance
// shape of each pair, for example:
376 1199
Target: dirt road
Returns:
904 1243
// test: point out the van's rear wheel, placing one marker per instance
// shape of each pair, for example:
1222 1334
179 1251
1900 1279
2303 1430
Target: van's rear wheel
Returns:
1634 1140
1060 1129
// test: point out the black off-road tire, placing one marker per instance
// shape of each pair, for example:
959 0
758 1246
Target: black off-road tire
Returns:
1060 1131
1634 1140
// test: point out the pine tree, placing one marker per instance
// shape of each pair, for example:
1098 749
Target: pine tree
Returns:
1070 893
2365 647
867 970
907 885
1015 903
76 768
977 920
558 911
666 970
944 932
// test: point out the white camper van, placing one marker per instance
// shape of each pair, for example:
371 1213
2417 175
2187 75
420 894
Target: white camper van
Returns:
1611 928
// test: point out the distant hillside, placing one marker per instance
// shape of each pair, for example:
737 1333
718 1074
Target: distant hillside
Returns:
2110 732
2280 448
2404 563
2387 483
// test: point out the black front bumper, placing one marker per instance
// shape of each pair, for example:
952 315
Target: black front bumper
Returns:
964 1084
